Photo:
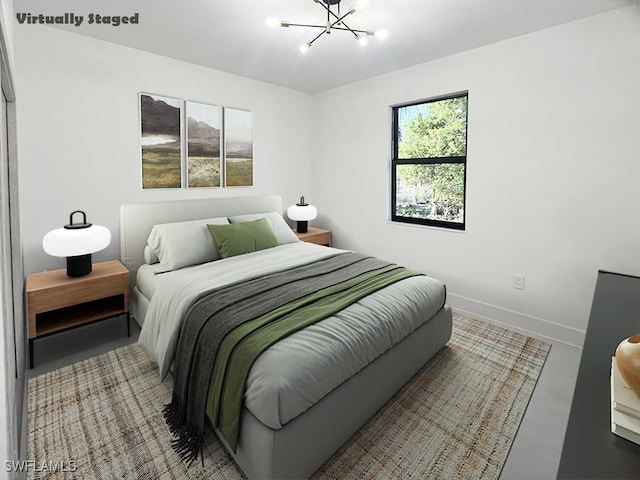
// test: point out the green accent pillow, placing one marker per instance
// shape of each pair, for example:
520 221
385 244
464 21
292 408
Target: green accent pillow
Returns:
240 238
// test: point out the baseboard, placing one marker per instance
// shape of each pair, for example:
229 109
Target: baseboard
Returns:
520 322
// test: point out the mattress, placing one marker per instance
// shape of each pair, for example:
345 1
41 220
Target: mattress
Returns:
300 370
146 279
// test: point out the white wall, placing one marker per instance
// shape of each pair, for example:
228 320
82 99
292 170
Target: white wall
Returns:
79 131
553 171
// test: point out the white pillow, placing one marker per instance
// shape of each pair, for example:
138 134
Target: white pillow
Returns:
149 257
278 225
182 244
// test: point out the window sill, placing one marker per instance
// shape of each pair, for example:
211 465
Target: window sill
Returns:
427 227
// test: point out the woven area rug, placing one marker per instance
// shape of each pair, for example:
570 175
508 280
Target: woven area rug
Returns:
456 418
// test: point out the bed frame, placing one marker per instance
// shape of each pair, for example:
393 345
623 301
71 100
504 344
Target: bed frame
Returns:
299 448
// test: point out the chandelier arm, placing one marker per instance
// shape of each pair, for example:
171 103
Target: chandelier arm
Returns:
341 18
316 37
333 27
364 32
346 27
307 25
331 12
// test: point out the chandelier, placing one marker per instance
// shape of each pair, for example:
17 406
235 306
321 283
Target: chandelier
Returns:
335 21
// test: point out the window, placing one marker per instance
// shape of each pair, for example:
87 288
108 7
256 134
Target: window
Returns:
428 168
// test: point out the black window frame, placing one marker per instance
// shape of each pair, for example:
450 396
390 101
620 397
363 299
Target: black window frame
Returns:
395 161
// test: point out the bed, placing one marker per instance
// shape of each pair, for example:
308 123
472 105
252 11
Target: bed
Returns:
292 419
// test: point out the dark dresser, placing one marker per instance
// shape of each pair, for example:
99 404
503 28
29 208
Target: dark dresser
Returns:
590 450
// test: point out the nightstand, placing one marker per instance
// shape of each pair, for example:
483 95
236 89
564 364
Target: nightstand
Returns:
315 235
56 302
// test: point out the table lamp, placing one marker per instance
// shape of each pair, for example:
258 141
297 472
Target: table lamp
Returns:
77 241
302 212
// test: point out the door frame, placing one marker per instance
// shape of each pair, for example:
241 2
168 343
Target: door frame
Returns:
12 323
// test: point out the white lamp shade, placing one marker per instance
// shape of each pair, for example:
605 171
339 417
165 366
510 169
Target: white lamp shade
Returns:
302 213
63 242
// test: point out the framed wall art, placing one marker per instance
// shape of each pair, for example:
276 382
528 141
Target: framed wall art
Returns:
238 148
204 124
161 141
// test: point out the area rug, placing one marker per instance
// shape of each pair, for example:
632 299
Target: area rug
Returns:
456 418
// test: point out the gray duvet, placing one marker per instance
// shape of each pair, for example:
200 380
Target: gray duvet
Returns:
300 370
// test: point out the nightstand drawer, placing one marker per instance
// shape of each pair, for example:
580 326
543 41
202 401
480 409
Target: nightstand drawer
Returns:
68 294
318 236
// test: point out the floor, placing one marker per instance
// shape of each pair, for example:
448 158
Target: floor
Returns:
535 453
77 344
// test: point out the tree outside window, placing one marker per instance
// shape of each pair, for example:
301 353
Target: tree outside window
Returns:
429 162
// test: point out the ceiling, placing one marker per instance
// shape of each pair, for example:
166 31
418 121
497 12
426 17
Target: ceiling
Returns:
231 35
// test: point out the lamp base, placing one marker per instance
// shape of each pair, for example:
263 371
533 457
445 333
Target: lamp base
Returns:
303 226
79 266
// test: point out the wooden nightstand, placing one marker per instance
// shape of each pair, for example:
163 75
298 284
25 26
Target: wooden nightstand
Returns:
56 302
316 235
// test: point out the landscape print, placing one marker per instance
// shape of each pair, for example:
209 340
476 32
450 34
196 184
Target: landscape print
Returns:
238 128
203 145
160 141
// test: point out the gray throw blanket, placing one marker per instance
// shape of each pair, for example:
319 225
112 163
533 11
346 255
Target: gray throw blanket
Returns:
213 316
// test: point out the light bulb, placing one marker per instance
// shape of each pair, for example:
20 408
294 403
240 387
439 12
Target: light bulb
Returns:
363 41
272 22
304 47
360 4
382 34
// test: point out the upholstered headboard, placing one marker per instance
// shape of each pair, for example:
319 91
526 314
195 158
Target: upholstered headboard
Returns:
137 219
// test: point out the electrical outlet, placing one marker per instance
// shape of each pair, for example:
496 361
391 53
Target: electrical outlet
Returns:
518 282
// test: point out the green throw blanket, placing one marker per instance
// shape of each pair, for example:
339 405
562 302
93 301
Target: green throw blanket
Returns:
225 331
